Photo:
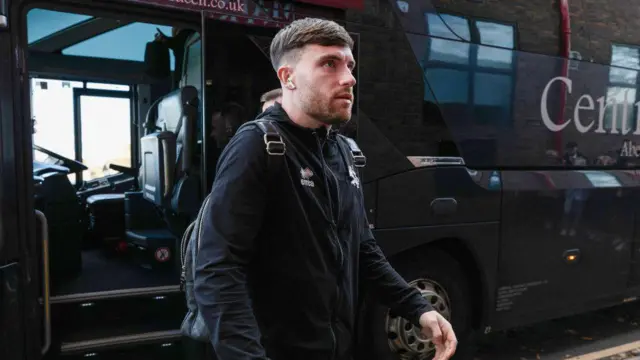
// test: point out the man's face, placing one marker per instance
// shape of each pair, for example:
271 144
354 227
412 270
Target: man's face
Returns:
324 83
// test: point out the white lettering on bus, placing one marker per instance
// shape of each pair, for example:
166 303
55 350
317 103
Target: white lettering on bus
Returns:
586 102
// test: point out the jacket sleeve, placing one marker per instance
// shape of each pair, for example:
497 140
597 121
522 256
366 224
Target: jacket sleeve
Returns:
230 224
388 286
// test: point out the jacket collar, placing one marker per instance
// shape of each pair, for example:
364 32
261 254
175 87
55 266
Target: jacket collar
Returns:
277 113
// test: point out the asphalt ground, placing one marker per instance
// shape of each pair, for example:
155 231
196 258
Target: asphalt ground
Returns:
608 334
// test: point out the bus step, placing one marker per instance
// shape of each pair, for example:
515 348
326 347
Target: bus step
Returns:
157 345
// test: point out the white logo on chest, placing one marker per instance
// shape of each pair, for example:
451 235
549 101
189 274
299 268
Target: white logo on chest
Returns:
305 177
355 180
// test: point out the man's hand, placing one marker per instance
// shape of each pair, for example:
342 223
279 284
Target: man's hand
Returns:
439 330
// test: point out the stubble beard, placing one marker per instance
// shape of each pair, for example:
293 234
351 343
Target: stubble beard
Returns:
321 110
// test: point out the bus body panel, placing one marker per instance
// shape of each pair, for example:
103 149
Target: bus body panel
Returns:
437 196
567 235
561 132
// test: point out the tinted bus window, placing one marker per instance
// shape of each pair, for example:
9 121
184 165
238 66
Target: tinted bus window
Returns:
520 84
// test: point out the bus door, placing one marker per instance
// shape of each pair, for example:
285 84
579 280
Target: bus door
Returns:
23 321
87 275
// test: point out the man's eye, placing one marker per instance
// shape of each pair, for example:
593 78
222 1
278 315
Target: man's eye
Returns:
330 63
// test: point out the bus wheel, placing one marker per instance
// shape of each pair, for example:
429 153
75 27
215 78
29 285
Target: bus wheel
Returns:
441 280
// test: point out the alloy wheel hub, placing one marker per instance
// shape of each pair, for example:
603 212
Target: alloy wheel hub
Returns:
407 340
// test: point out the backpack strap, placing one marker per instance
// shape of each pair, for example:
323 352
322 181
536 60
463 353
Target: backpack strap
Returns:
275 147
273 141
359 159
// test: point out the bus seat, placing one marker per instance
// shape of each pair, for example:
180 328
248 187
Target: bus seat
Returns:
167 161
158 151
56 197
167 177
186 192
165 156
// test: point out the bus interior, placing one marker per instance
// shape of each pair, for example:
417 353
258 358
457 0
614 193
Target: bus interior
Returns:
119 137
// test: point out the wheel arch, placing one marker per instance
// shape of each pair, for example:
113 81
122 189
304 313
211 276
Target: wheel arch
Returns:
469 261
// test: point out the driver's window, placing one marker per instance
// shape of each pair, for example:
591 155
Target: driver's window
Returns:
87 122
52 110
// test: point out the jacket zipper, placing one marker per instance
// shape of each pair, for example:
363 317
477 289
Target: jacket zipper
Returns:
333 222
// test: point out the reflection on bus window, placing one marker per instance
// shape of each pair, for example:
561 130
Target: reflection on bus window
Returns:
621 93
601 179
469 65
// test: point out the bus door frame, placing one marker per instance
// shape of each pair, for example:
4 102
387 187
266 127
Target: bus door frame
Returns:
29 333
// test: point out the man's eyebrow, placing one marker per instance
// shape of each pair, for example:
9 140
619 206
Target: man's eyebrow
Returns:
337 57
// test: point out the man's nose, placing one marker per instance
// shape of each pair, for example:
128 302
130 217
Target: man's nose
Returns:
348 79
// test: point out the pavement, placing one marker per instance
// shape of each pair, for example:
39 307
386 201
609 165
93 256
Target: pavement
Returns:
608 334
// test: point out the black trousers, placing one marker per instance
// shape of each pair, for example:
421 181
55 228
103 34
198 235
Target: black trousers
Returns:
197 350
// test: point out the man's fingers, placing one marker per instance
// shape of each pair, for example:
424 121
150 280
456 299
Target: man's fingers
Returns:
451 343
450 349
440 350
436 333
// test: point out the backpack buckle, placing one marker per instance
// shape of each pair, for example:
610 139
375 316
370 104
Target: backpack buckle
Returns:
275 145
359 159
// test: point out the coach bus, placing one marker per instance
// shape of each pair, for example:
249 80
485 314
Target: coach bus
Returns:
472 114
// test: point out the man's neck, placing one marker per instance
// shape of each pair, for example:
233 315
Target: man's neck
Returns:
302 119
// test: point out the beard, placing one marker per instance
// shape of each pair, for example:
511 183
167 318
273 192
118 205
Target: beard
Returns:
324 108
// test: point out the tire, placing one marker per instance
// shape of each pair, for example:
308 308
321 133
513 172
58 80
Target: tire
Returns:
443 274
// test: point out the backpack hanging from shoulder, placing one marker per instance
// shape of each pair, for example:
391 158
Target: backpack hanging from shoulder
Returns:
193 325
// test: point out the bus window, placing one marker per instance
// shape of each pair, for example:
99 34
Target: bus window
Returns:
193 63
63 109
123 43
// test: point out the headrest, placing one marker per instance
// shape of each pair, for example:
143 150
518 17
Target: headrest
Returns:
172 107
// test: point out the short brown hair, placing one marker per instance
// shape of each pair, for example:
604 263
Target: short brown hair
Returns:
271 95
307 31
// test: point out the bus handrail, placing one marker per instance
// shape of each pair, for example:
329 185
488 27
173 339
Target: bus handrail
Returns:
45 281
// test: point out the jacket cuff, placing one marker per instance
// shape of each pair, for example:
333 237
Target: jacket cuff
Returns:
424 307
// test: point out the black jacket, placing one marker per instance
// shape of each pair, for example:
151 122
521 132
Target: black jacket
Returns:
282 249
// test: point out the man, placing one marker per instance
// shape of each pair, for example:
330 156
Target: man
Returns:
281 257
270 97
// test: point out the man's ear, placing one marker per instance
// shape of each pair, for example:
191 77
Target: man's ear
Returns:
285 75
